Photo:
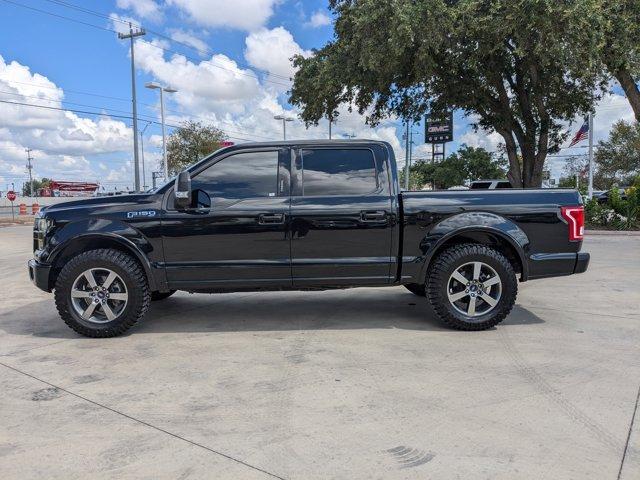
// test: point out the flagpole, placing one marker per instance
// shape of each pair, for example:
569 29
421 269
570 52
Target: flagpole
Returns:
590 192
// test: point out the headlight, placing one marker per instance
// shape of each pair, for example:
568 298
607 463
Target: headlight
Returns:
40 229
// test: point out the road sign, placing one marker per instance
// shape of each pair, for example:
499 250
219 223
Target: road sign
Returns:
438 129
11 195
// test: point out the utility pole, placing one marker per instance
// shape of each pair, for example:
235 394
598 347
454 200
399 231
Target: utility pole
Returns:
331 120
29 167
590 191
406 157
132 35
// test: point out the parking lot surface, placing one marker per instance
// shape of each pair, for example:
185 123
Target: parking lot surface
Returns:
352 384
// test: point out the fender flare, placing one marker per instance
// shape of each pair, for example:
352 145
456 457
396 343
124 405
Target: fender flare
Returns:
474 222
112 232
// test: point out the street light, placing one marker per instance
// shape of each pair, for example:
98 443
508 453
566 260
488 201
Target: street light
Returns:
144 177
154 85
284 119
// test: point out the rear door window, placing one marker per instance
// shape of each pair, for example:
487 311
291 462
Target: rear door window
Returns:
328 171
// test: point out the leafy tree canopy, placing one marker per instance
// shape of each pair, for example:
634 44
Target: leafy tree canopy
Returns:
189 143
618 158
517 67
466 165
620 48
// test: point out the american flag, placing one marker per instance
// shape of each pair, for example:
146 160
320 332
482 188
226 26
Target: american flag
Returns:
582 134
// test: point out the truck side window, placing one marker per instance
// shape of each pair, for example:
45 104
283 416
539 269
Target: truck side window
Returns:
347 171
243 175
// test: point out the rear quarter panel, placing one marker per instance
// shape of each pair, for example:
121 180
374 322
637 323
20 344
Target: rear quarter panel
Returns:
528 219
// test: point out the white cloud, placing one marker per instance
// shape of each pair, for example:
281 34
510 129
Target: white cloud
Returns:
216 85
271 50
60 139
190 39
319 19
121 23
240 14
147 9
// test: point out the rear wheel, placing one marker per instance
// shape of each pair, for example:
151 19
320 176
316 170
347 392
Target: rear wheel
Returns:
102 293
472 286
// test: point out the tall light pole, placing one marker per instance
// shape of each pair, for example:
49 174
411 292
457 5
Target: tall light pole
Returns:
153 85
331 122
407 157
144 176
132 35
284 119
590 191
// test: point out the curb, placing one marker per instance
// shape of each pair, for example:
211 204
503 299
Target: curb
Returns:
624 233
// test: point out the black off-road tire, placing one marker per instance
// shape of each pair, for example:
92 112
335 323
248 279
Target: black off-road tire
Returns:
155 296
416 289
131 274
443 267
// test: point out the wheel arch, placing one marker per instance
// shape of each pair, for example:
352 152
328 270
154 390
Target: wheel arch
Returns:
93 241
493 230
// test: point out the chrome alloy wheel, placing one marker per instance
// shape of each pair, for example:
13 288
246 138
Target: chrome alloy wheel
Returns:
474 289
99 295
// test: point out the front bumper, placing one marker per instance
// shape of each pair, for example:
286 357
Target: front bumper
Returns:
39 274
544 265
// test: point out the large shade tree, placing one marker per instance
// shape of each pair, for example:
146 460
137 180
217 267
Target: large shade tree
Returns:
189 143
620 46
517 67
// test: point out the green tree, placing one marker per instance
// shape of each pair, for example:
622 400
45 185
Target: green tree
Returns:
516 67
189 143
37 185
620 48
459 168
618 158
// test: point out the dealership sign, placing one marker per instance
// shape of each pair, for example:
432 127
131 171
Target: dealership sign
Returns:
438 129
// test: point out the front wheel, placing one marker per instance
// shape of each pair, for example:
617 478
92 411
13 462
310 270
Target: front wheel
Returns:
472 286
102 293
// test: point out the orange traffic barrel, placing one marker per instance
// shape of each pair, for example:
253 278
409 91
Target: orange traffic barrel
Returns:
23 209
35 208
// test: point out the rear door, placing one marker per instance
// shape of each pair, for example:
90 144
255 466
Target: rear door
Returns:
341 217
235 234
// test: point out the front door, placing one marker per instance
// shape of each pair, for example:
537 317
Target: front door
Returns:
341 217
235 233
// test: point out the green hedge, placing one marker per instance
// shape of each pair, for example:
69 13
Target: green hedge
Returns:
616 214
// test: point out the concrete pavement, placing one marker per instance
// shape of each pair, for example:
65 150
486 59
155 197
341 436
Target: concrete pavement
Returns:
355 384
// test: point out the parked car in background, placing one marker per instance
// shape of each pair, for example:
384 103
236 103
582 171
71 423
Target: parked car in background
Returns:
489 184
603 198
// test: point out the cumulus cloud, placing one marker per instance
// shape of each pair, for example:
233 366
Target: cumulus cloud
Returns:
239 14
319 19
271 50
60 139
189 38
147 9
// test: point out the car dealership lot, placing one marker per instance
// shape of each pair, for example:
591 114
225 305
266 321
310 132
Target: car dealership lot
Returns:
361 383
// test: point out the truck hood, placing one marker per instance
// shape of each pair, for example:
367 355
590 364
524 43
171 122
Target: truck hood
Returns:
119 200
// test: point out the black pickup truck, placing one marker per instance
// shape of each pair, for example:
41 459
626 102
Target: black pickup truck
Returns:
302 215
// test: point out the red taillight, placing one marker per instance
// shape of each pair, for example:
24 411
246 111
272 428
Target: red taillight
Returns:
575 218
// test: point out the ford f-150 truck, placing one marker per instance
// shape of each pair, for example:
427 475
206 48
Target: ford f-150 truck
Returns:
302 215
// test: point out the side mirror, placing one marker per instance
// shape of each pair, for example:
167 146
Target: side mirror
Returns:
182 190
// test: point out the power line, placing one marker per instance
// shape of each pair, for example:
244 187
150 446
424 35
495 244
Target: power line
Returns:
152 44
143 117
128 117
156 33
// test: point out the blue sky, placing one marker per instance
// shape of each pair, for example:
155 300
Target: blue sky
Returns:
234 76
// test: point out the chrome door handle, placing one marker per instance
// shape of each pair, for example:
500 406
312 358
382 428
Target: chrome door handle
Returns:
373 215
270 218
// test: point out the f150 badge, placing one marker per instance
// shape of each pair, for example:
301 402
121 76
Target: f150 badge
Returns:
141 213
